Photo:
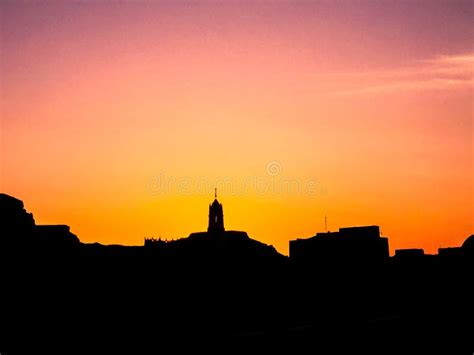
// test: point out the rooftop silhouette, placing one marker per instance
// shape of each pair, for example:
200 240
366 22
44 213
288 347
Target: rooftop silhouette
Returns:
355 245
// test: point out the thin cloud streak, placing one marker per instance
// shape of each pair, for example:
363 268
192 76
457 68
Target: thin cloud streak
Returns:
440 73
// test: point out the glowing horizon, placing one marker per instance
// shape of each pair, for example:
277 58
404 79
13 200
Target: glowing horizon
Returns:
119 119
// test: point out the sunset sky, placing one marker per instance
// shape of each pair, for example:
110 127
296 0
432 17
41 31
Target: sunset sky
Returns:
119 118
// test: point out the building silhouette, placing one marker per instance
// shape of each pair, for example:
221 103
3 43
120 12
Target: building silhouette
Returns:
216 216
348 245
153 242
412 253
465 250
232 248
19 227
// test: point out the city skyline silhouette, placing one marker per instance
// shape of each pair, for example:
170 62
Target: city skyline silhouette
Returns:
325 290
294 111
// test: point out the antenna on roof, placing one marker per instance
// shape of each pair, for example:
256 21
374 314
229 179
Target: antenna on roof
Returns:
215 192
325 223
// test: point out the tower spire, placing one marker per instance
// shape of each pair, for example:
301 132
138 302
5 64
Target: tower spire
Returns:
216 216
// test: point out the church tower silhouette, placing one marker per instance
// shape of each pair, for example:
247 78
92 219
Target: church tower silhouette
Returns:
216 216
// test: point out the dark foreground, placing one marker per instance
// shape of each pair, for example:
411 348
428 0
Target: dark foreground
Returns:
97 296
224 291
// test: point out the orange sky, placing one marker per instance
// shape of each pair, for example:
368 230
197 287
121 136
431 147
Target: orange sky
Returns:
119 119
